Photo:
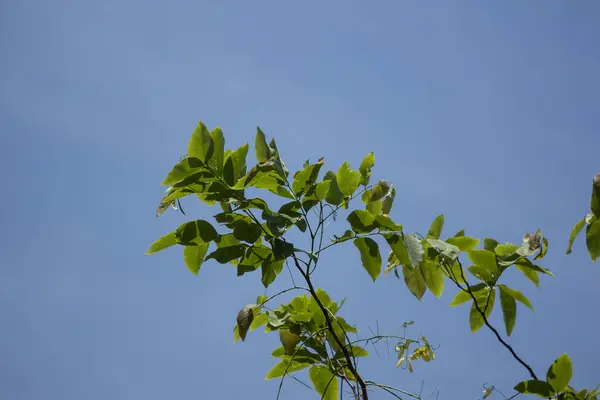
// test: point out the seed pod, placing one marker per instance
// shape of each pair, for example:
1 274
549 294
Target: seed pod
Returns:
244 319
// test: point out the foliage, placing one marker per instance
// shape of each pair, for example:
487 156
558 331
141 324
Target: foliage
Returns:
313 334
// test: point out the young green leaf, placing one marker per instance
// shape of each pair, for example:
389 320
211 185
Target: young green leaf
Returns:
517 295
560 373
194 256
165 241
223 255
182 170
325 382
485 301
365 168
347 179
506 249
262 149
270 269
434 277
399 249
464 243
369 255
286 366
509 309
540 388
414 281
306 177
490 244
592 238
484 258
201 144
189 232
361 221
216 161
462 296
435 230
334 195
529 274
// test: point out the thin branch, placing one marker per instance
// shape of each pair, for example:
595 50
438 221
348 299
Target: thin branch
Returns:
391 388
351 367
487 323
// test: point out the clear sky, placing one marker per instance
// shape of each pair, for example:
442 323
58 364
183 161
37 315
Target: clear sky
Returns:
484 111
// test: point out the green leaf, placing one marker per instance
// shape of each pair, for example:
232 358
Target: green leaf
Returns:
282 249
506 249
490 244
325 382
379 191
540 388
259 320
595 201
201 144
369 255
464 243
306 177
397 245
365 168
188 232
165 241
529 274
289 340
434 277
435 230
347 179
481 273
414 281
194 256
484 258
361 221
485 301
385 223
270 269
334 195
263 151
560 373
517 295
216 161
223 255
415 249
388 201
290 366
459 233
592 238
509 309
183 169
247 231
462 296
448 250
239 161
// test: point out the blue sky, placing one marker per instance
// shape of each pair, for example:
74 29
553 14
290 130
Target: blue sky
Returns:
486 112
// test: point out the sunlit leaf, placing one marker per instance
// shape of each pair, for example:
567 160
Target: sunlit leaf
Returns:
188 232
270 269
485 301
484 258
506 249
194 256
289 340
262 149
490 244
166 241
365 168
201 144
560 373
325 382
414 281
183 169
462 296
217 159
435 230
286 366
361 221
369 255
529 274
540 388
385 223
434 277
347 179
334 195
517 295
306 177
464 243
592 238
